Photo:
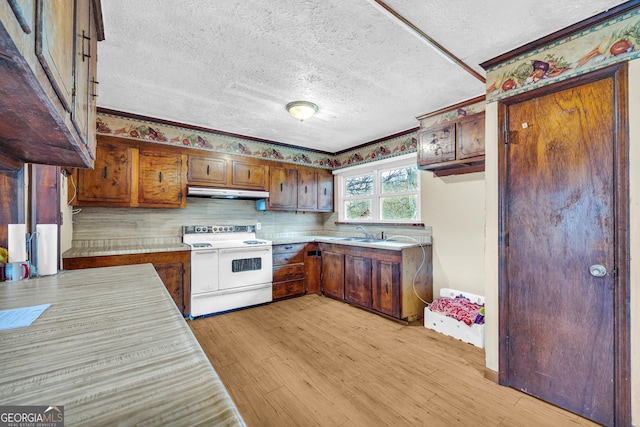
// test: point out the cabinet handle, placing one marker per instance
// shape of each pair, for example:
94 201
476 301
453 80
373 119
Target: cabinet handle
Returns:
305 189
94 87
288 247
85 37
105 172
325 191
280 186
208 169
386 288
160 176
249 174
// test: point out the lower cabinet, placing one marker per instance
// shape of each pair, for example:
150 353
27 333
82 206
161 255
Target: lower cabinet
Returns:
379 280
312 268
357 280
332 280
173 268
288 270
385 287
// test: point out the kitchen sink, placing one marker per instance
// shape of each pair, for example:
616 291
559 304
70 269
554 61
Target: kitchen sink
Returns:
361 239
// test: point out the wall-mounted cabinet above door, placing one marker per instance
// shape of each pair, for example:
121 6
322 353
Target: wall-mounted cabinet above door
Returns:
451 141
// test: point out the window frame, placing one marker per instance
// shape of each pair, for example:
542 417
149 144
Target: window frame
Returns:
376 168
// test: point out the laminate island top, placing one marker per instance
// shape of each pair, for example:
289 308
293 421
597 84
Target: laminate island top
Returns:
113 349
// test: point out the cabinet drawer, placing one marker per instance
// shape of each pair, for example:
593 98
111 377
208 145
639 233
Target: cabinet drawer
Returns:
289 247
288 258
288 272
287 289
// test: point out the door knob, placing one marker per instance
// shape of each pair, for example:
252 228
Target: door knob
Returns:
598 270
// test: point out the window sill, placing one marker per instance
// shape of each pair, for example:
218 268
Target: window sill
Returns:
381 224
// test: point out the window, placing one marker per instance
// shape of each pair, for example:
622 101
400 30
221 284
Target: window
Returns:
386 191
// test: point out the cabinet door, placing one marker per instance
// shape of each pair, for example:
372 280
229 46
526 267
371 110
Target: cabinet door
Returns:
246 175
471 136
160 180
437 144
282 188
357 280
325 192
109 183
54 44
307 190
211 171
333 274
93 79
171 276
386 288
312 269
86 43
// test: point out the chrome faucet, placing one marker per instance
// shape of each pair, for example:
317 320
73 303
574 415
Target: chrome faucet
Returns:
366 235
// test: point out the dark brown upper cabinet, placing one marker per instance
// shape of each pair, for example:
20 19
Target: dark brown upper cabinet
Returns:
48 82
454 147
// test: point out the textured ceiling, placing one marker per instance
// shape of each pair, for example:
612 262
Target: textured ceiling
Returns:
232 65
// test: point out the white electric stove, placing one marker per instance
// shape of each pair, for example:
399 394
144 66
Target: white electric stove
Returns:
230 268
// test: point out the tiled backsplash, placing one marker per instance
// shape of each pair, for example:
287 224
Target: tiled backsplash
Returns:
94 226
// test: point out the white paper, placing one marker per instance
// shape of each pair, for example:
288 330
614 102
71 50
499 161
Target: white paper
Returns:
47 254
20 317
17 242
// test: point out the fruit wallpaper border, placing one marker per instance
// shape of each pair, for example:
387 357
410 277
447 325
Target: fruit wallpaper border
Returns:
604 44
108 124
428 121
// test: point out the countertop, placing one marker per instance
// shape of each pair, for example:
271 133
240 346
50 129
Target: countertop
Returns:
123 249
127 247
392 244
113 349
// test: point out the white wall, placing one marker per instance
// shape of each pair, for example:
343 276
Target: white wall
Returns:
491 246
454 208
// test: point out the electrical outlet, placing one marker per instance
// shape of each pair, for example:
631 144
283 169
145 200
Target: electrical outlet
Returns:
258 226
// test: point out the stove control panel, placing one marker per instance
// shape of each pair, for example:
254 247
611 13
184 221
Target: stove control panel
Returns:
199 229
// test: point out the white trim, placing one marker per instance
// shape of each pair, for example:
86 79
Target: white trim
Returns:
374 168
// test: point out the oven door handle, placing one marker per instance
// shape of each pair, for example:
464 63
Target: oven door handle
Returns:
237 250
210 251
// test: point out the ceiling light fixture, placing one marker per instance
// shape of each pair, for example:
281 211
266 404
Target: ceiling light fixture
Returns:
302 110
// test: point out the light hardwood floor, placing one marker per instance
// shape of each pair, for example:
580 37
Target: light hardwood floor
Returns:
314 361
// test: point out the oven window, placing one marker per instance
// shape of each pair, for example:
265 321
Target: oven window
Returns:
246 264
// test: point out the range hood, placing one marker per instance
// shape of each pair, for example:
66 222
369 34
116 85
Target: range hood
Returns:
226 193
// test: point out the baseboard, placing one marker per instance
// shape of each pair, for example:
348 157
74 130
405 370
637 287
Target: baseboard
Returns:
491 375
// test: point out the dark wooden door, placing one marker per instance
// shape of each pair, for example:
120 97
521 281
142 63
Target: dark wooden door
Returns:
283 188
386 288
333 274
307 190
212 171
357 280
325 192
245 175
160 180
109 182
560 220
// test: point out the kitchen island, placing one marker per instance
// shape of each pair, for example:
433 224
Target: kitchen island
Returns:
112 348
